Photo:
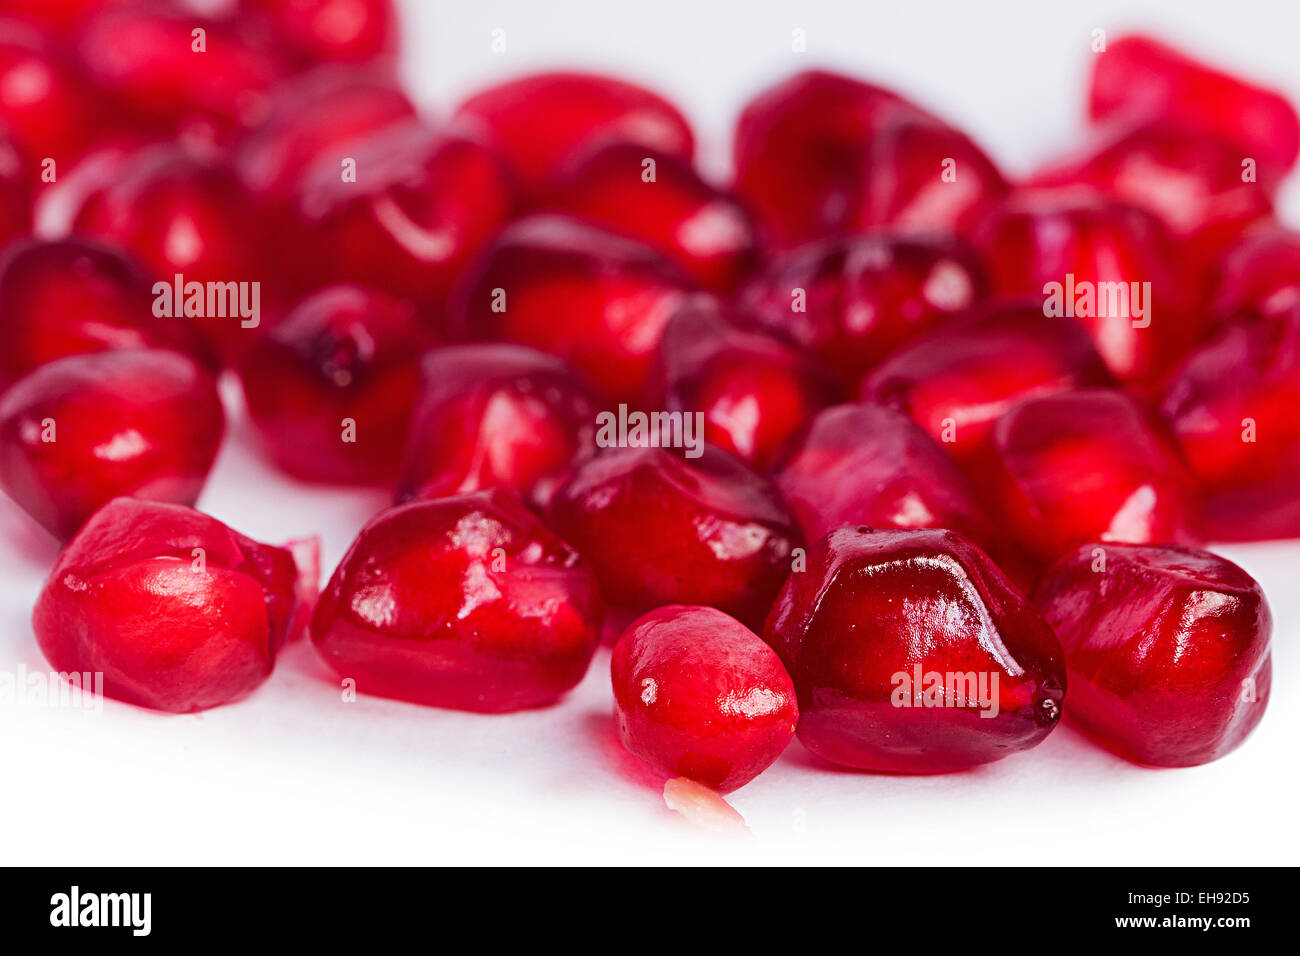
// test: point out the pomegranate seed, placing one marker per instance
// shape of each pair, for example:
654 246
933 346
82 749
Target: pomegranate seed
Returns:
851 302
496 416
179 612
334 30
699 695
911 653
1086 465
330 385
541 121
598 301
1138 78
957 380
754 391
659 529
15 193
703 807
60 14
1167 649
465 602
46 105
1259 275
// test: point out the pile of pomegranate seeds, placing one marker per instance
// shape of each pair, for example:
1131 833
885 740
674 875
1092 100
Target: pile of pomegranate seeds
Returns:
872 445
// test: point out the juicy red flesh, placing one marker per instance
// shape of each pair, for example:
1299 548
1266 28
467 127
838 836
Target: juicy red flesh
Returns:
699 695
598 301
879 615
496 416
331 30
1259 275
178 612
1086 465
851 302
46 105
330 385
659 528
707 233
1138 78
83 430
465 602
15 192
754 391
1167 649
68 296
956 381
540 122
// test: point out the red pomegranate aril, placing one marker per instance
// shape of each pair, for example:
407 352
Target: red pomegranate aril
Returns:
66 296
59 14
850 302
46 106
83 430
598 301
1139 78
1259 275
319 118
330 385
494 415
465 602
15 192
1167 649
911 653
539 122
956 381
1074 247
660 528
699 695
1086 465
179 612
1231 407
331 30
707 233
754 391
421 205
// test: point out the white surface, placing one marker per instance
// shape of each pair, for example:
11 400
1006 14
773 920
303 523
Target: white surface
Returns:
294 775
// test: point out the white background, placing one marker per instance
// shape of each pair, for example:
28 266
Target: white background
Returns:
294 775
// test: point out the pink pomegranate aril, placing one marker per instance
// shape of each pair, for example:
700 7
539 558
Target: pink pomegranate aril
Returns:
46 106
465 602
1138 78
956 381
598 301
699 695
850 302
754 391
1167 649
1085 465
330 384
1231 407
659 528
179 612
331 30
541 121
66 296
911 653
494 415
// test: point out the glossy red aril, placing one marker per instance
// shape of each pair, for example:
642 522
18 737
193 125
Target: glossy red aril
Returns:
1231 409
46 105
15 192
495 415
956 381
1108 265
85 429
66 296
1167 650
420 205
541 121
334 30
1260 275
699 695
330 385
753 390
851 302
598 301
1085 465
911 653
1138 78
660 528
179 612
318 119
660 200
465 602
